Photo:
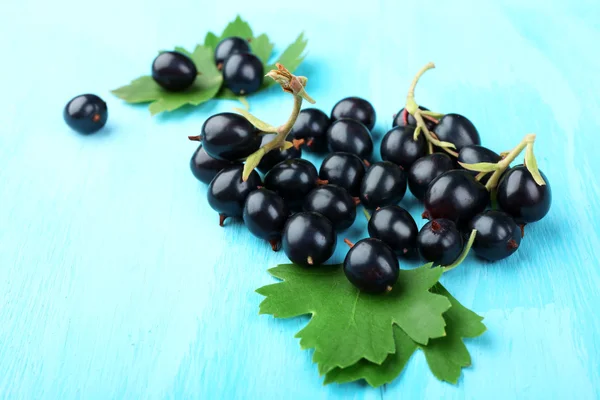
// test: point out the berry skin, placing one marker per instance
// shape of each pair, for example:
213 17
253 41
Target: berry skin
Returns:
229 136
372 266
399 119
384 184
204 167
440 242
477 154
334 203
498 236
521 197
243 73
456 129
308 239
265 214
174 71
229 46
86 113
350 136
354 108
394 226
425 170
276 156
457 196
311 125
399 147
345 170
293 180
227 192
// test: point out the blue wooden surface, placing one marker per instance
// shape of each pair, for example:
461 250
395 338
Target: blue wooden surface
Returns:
116 280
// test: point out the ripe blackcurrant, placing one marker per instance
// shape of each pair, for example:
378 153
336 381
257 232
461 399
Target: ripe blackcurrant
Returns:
354 108
440 242
229 136
498 236
334 203
350 136
372 266
425 170
204 167
345 170
311 125
395 227
521 197
399 146
292 180
229 46
276 156
399 119
227 192
243 73
456 129
308 239
384 184
86 113
265 214
474 153
174 71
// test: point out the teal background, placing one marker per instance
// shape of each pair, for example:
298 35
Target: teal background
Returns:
116 281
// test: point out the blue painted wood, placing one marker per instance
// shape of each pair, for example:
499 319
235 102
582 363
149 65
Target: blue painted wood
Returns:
115 279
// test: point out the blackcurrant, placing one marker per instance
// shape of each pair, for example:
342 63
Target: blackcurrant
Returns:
292 180
174 71
86 113
399 146
227 192
457 196
229 136
243 73
395 227
384 184
311 125
350 136
276 156
334 203
354 108
308 239
521 197
372 266
458 130
440 242
345 170
474 153
399 119
265 214
229 46
498 236
204 167
425 170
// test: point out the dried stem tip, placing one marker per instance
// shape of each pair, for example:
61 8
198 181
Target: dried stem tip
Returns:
290 83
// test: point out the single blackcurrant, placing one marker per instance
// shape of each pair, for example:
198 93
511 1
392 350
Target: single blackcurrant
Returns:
458 130
292 180
354 108
229 136
229 46
350 136
265 214
308 239
334 203
474 154
521 197
345 170
401 118
384 184
204 167
311 125
395 227
243 73
276 156
399 146
86 113
372 266
174 71
440 242
425 170
498 236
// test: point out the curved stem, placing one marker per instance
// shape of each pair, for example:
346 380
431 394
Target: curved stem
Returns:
413 85
464 253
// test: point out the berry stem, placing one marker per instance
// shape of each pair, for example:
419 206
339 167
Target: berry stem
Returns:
349 243
367 215
464 253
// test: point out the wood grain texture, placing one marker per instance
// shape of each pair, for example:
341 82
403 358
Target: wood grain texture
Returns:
116 281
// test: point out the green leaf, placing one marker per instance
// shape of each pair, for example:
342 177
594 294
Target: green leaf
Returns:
238 27
291 58
262 48
348 325
141 90
211 41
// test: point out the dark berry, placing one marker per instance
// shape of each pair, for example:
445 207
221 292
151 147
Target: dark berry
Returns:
243 73
204 167
399 119
350 136
276 156
345 170
86 113
334 203
384 184
399 146
498 236
229 46
440 242
425 170
265 214
229 136
457 196
474 154
227 192
311 125
521 197
354 108
456 129
372 266
395 227
293 180
174 71
308 239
